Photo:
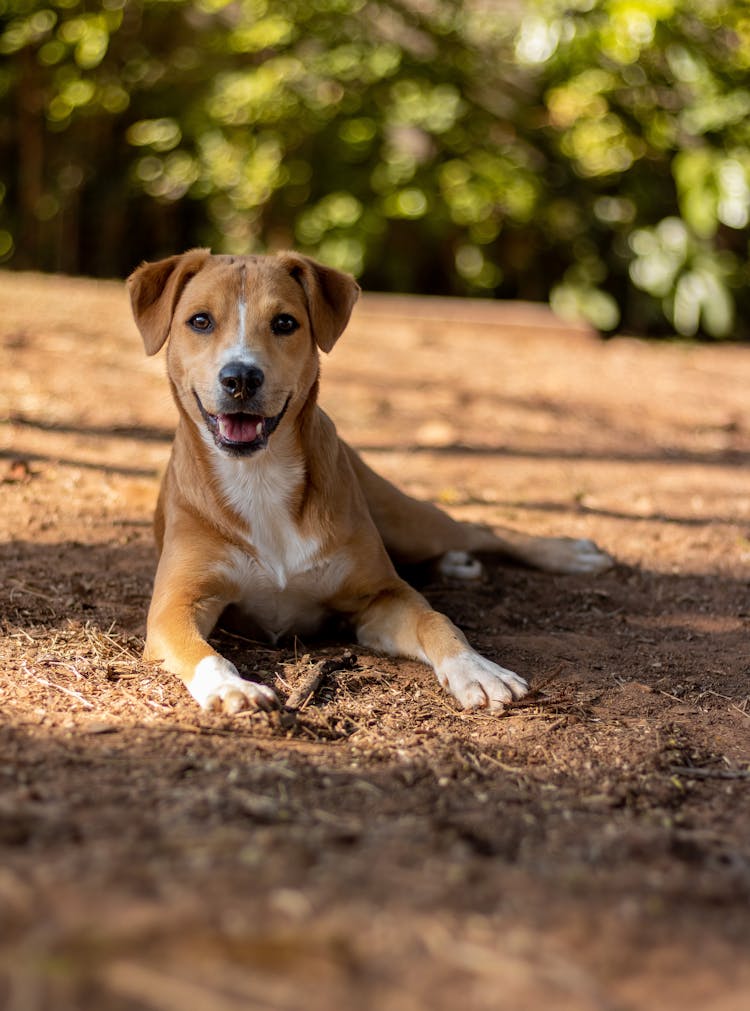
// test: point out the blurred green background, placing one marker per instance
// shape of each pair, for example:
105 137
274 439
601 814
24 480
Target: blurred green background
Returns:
595 153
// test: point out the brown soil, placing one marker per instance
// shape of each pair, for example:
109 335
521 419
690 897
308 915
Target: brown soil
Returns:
380 849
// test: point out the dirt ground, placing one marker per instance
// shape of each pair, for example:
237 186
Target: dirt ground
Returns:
379 849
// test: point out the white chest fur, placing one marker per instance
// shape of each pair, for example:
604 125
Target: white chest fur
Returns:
260 491
281 580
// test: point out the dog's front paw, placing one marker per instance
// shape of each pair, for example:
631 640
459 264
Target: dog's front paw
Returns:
478 683
216 684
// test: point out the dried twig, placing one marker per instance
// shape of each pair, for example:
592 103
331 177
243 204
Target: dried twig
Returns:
25 588
61 688
313 679
688 773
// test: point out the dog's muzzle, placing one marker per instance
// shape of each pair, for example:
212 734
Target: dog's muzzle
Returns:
240 433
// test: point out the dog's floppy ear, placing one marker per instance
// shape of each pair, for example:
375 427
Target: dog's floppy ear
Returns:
330 296
155 289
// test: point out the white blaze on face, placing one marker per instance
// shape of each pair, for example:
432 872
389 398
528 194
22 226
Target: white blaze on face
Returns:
240 350
242 321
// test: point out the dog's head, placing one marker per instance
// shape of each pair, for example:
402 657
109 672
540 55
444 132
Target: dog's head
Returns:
243 333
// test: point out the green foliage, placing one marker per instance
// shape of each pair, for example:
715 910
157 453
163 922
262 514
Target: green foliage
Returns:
595 152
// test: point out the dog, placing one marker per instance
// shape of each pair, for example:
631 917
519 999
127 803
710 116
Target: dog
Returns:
265 511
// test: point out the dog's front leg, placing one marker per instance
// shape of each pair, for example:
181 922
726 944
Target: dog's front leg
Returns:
184 610
399 621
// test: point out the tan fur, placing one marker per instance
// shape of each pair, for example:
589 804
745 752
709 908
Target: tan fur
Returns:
301 527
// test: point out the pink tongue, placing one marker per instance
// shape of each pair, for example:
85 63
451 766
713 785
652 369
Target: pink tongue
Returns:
239 427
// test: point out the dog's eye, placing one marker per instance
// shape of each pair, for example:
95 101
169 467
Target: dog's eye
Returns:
284 324
202 322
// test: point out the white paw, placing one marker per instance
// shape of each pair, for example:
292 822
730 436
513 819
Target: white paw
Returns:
479 683
571 555
216 684
460 565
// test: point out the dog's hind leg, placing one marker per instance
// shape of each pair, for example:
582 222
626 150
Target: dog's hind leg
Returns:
415 531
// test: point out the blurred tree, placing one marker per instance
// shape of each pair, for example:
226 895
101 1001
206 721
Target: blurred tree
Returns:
645 116
595 152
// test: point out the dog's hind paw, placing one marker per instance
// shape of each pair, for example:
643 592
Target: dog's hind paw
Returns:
460 565
217 685
568 555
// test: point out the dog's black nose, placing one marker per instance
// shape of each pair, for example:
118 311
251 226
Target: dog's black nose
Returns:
240 380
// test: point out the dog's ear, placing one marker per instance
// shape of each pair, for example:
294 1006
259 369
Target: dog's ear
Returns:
155 290
330 296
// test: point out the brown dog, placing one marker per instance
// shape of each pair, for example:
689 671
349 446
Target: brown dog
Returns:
264 510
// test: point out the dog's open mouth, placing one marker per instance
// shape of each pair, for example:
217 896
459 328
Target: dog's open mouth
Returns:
240 433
